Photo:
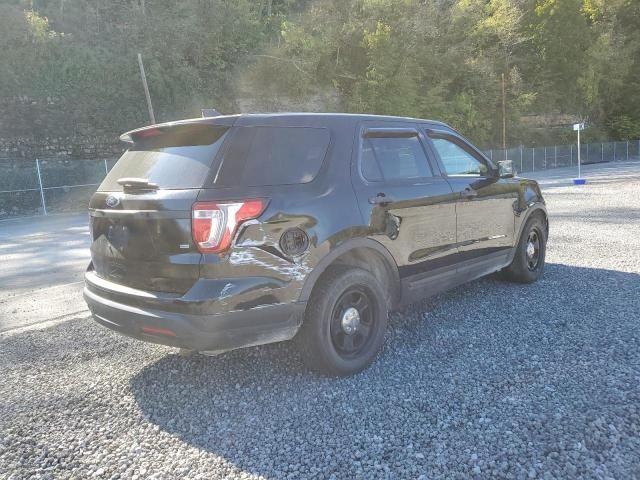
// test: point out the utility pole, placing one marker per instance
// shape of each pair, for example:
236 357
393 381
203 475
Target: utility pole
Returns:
146 89
504 119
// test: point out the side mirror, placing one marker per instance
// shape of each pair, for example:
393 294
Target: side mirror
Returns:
505 169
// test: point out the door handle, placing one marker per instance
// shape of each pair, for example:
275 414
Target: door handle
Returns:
380 199
468 193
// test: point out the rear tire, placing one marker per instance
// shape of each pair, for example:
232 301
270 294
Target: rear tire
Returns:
345 322
528 263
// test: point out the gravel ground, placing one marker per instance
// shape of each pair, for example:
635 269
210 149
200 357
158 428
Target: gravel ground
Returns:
489 380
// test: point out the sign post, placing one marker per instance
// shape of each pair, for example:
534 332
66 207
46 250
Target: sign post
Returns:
579 181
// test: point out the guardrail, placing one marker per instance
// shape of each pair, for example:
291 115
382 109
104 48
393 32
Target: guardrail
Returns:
42 186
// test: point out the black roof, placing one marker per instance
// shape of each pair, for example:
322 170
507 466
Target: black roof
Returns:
283 118
331 116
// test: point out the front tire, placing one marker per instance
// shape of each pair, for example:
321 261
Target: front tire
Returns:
345 322
528 263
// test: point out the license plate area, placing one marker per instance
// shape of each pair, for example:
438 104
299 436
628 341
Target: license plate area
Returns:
118 236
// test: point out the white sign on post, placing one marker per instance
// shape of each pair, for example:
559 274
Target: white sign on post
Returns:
578 126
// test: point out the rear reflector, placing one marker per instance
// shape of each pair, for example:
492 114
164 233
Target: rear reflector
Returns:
158 331
213 224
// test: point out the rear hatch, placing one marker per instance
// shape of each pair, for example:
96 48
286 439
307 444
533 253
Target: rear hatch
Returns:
141 213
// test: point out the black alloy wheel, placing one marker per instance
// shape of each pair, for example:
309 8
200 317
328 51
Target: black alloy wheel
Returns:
528 261
352 322
345 321
532 250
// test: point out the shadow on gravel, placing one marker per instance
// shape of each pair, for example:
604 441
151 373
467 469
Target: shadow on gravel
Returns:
513 374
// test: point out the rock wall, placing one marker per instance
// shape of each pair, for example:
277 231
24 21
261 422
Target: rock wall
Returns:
76 147
43 127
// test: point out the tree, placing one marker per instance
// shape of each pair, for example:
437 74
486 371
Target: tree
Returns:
440 59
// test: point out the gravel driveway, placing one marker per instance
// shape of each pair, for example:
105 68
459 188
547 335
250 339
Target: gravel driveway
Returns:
490 380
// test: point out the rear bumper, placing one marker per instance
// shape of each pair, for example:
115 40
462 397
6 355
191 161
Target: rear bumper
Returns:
202 332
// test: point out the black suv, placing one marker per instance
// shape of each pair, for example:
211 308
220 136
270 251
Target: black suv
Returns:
218 233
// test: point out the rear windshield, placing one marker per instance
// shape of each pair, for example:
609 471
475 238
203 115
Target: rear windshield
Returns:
259 156
177 158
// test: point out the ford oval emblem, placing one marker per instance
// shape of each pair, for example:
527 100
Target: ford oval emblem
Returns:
112 201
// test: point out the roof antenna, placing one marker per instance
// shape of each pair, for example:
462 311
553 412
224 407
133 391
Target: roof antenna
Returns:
210 112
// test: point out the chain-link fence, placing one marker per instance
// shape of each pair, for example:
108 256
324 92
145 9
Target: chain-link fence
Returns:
528 159
52 185
48 185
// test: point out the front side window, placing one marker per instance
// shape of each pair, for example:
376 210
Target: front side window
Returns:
393 158
456 160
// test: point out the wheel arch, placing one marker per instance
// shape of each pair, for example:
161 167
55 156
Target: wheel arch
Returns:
538 208
363 253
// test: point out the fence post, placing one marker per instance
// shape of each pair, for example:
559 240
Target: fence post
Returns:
106 167
614 151
491 155
555 156
44 205
602 157
521 164
588 152
534 159
545 157
627 150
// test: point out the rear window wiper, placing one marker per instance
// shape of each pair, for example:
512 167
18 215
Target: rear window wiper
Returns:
137 184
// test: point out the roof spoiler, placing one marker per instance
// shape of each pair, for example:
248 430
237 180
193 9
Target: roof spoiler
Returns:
155 130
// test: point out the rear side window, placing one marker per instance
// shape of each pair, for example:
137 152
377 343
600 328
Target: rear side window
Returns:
177 157
259 156
393 158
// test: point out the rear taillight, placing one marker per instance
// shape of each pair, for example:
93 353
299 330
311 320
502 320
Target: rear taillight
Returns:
213 224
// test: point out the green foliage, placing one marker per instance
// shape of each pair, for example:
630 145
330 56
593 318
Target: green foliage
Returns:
562 38
441 59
